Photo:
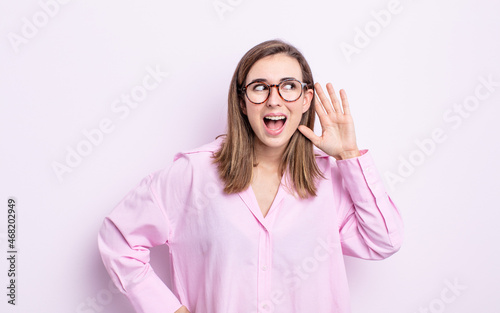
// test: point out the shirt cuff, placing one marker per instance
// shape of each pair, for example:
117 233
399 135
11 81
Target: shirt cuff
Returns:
361 177
152 295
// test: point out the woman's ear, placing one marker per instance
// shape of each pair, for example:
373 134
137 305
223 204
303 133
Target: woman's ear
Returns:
308 96
243 107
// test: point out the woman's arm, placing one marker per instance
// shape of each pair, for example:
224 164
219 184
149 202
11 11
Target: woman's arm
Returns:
370 224
136 224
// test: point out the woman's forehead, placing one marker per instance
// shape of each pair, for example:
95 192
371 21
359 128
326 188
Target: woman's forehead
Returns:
274 68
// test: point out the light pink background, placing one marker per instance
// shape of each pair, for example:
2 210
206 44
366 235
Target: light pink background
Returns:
402 85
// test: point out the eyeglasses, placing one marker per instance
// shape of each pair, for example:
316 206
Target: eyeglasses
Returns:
289 90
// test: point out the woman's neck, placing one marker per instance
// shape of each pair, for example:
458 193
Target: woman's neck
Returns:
268 156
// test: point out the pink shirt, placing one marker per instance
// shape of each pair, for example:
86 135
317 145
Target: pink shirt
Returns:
227 258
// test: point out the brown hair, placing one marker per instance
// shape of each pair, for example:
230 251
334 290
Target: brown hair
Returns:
235 158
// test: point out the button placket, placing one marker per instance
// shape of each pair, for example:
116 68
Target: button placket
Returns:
264 275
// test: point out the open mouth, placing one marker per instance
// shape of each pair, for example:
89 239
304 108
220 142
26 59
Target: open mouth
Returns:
275 122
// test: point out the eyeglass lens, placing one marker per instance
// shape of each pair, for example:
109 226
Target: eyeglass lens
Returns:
289 90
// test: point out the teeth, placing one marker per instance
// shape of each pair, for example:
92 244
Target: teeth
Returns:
275 118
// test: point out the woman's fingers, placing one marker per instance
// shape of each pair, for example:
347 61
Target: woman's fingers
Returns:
333 97
306 131
332 105
345 102
320 109
323 99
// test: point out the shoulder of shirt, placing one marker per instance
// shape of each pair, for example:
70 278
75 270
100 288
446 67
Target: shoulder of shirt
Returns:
208 148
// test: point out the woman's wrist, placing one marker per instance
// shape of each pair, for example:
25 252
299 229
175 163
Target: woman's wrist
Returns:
348 154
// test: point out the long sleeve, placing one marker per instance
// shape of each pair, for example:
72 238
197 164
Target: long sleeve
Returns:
136 224
371 226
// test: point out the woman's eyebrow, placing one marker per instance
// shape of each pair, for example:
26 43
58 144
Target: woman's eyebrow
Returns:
265 80
258 80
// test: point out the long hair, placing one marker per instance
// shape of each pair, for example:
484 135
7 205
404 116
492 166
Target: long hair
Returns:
235 159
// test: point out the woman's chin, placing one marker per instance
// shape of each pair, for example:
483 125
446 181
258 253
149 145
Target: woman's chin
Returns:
273 142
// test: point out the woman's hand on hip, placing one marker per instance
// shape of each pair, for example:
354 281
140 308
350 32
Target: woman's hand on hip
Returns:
183 309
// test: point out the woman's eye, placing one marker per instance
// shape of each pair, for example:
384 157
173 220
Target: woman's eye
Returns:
259 87
289 86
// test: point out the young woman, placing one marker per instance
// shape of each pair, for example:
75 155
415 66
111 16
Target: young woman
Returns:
258 220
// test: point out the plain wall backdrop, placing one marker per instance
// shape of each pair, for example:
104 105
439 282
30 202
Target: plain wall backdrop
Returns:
95 95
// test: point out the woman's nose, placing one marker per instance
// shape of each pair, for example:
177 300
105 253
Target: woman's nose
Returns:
274 97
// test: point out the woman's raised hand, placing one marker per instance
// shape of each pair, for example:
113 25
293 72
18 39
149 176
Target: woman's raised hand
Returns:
338 138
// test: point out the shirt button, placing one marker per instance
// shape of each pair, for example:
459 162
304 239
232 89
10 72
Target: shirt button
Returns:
264 268
265 307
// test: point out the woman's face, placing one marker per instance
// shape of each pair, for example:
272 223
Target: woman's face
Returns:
271 131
